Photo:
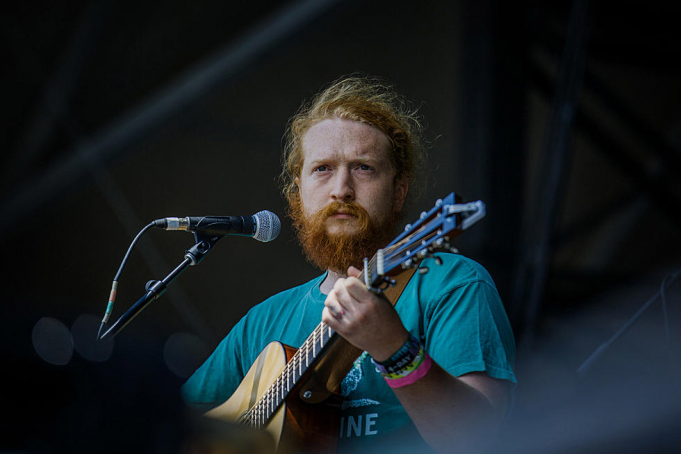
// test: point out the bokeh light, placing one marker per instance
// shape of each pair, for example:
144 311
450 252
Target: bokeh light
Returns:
183 353
52 341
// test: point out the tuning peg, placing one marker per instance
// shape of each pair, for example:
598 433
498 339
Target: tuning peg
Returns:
423 214
407 227
424 270
453 250
438 260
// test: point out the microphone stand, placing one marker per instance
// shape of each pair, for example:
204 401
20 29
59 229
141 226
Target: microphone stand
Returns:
591 360
155 289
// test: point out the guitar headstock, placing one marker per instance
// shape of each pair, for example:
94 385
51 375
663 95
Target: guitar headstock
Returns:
431 233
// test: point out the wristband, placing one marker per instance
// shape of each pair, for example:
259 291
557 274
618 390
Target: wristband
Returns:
406 365
413 377
402 358
407 368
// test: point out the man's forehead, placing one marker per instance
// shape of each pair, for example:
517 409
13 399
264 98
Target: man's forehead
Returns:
342 139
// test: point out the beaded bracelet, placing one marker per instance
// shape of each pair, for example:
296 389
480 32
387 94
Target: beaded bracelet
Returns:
404 355
402 358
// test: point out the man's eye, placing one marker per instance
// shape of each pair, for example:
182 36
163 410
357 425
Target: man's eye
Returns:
365 167
321 169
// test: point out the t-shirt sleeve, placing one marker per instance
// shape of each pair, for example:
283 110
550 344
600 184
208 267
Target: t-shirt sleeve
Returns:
467 330
219 376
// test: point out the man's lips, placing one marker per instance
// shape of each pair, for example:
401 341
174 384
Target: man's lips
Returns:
342 215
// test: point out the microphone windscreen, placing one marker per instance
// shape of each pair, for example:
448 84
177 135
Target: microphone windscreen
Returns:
268 226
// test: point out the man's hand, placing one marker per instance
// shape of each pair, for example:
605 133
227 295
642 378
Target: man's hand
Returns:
366 320
450 413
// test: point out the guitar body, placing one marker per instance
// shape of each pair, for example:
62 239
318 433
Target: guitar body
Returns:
296 426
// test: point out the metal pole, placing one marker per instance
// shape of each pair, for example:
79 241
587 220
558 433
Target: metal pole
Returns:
542 209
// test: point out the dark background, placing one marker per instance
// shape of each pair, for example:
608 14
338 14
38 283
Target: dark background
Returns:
564 118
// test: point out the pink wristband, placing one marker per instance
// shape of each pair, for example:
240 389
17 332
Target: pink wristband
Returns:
412 377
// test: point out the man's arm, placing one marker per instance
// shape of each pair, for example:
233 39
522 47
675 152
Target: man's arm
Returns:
450 413
455 414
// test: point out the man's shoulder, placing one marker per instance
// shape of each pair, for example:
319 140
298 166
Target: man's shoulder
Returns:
309 289
285 316
455 270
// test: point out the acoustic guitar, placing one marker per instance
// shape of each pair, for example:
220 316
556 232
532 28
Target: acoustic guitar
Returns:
291 392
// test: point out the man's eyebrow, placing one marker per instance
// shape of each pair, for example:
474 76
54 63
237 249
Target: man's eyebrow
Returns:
369 159
317 161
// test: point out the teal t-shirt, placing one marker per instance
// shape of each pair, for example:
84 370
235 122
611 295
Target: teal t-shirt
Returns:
454 309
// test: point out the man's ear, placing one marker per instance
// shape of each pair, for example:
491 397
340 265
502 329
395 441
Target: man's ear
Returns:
401 190
297 180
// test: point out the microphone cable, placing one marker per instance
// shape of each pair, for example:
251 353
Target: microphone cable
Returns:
114 285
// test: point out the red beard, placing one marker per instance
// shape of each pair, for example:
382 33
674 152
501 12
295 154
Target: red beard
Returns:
338 251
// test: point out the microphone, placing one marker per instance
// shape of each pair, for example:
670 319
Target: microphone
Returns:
263 226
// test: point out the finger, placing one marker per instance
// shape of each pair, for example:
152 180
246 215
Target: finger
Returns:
334 305
356 289
329 319
353 272
336 312
340 293
343 284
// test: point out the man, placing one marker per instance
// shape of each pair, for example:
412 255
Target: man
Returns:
437 367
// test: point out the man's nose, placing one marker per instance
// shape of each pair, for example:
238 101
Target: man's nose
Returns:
343 188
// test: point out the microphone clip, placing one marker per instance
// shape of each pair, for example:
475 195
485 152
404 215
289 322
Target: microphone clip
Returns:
204 244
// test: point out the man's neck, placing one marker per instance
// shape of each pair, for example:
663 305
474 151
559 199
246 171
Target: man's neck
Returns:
331 278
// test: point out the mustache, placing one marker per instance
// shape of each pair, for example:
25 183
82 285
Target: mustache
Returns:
351 208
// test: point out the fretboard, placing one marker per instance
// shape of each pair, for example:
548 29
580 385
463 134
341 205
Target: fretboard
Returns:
271 399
